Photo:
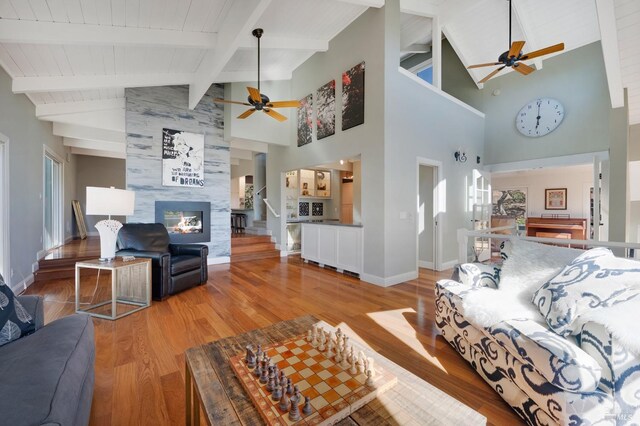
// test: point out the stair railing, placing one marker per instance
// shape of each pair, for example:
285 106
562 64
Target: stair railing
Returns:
260 190
273 212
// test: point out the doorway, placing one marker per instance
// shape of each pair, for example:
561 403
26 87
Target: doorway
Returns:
52 201
429 207
4 208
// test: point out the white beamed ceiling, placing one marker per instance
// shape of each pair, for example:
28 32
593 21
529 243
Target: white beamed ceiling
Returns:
86 52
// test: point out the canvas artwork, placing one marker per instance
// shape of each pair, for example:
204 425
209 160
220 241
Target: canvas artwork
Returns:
353 97
510 202
182 158
305 120
326 110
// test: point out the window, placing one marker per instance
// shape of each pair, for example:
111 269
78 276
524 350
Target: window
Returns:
52 202
426 74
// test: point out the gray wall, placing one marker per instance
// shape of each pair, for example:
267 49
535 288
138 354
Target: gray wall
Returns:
101 172
27 136
363 40
148 111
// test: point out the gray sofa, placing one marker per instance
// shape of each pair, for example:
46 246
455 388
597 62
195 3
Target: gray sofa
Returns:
47 378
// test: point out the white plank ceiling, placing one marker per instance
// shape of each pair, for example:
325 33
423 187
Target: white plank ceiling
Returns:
74 58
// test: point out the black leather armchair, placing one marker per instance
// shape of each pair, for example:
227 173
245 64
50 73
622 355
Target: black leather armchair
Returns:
175 267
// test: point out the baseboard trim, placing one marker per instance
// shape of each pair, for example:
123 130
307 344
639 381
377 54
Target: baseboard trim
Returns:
425 264
41 254
218 260
448 265
35 266
389 281
23 285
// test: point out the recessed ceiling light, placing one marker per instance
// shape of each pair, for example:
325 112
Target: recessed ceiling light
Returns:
341 162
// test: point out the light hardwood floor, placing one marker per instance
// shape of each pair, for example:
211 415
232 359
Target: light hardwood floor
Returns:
140 361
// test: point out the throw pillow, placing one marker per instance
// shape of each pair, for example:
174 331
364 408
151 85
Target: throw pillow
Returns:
529 265
15 321
594 281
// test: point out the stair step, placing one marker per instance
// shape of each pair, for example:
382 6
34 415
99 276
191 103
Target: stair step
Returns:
55 274
246 240
254 256
260 223
252 248
62 262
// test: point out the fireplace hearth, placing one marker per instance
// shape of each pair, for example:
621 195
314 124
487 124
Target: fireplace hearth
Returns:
186 221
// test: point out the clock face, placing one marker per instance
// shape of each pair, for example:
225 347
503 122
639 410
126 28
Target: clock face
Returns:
539 117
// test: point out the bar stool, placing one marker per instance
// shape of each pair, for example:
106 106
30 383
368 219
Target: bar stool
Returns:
233 223
241 222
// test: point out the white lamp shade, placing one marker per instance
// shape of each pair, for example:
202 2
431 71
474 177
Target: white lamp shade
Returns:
109 201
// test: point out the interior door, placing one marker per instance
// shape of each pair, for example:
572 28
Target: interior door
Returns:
52 202
481 213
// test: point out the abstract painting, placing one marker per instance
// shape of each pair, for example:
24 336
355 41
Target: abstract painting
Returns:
182 158
353 97
326 111
305 120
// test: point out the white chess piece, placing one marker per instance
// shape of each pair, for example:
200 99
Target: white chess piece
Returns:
338 354
314 342
369 381
309 335
330 346
345 342
361 360
351 356
345 363
370 366
323 340
354 367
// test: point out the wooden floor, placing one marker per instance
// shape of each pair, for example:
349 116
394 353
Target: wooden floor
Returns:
140 362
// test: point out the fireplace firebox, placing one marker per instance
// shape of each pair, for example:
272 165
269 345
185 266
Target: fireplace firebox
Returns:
186 221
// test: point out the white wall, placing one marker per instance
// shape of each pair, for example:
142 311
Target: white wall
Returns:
577 180
425 209
633 231
27 137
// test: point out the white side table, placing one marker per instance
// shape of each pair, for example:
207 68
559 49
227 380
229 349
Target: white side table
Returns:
130 287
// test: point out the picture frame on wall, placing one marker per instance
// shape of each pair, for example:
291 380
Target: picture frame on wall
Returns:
353 97
182 158
305 120
326 110
555 199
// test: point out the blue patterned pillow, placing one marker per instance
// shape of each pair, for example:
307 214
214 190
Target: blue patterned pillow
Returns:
15 321
594 280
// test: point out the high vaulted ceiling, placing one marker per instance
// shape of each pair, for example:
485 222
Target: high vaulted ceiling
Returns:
74 58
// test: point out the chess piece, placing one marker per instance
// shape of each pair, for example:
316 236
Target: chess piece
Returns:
284 402
309 336
249 354
259 352
361 360
258 371
264 377
330 352
345 342
277 392
354 366
306 410
294 411
370 366
251 362
289 387
369 381
271 385
323 340
351 355
314 341
272 372
345 363
283 380
338 354
296 391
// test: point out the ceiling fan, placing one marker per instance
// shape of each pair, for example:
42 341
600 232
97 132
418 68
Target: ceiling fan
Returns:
514 55
259 101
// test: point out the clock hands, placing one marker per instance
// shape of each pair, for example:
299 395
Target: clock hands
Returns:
538 117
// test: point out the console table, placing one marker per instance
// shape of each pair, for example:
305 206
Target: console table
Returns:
565 228
130 287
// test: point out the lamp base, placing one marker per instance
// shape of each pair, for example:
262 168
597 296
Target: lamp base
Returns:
108 230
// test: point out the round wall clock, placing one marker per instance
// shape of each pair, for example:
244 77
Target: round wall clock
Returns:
539 117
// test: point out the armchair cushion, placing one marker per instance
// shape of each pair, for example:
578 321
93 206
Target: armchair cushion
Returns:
144 237
477 275
184 263
157 258
15 321
189 249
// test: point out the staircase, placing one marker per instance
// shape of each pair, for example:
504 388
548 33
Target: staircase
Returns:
252 247
54 269
259 227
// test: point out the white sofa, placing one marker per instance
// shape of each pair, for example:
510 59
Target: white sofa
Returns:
586 379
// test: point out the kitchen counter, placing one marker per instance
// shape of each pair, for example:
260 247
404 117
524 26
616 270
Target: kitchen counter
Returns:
334 244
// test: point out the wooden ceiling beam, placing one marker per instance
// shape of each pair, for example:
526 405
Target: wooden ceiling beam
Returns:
88 82
241 19
367 3
609 41
43 110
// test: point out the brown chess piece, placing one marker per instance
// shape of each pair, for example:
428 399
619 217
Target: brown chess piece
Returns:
307 409
294 411
284 402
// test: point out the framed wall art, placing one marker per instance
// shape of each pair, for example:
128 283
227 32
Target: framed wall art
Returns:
555 199
182 158
326 110
353 97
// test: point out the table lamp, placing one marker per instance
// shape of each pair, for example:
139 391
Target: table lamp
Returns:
109 202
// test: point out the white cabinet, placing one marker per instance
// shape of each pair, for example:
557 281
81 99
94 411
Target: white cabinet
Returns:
333 245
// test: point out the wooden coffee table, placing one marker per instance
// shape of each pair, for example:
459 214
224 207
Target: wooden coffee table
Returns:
212 386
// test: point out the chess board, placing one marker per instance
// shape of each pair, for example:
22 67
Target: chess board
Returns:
335 393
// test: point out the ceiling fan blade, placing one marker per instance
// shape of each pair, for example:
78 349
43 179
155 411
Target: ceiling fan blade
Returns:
547 50
230 102
523 68
255 94
284 104
275 114
247 113
491 74
516 48
490 64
